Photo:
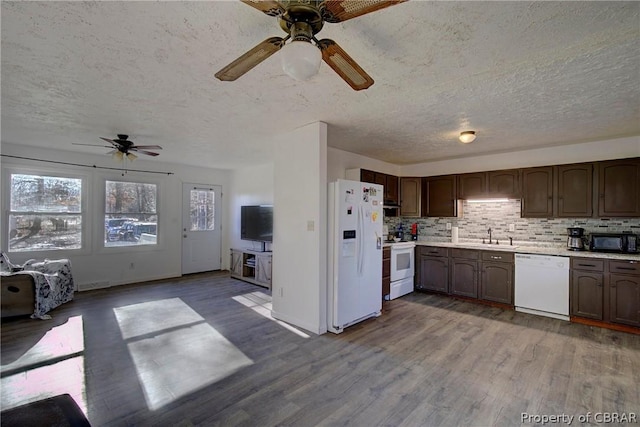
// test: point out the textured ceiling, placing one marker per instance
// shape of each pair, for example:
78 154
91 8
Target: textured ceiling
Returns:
521 74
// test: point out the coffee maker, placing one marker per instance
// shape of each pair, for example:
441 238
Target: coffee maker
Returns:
575 241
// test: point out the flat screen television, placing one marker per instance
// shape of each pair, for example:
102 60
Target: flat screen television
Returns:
256 223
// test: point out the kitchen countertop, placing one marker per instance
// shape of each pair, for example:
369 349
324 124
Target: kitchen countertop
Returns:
524 249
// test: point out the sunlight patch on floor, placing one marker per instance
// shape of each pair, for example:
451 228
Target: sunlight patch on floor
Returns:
53 366
174 350
261 304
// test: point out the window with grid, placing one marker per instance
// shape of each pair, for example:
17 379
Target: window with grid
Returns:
45 213
131 217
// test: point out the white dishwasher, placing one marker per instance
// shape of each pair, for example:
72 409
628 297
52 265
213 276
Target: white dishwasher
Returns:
542 285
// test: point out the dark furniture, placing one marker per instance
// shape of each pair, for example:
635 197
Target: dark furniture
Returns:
464 272
496 283
619 188
605 290
439 196
386 272
432 269
410 195
18 295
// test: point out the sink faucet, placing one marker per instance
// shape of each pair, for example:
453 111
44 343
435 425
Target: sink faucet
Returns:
489 231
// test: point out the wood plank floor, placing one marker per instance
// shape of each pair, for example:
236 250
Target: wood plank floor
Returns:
184 352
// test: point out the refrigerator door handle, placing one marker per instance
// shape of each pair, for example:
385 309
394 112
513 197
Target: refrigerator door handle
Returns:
360 240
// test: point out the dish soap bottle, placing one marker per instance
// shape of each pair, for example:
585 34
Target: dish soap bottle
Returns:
400 233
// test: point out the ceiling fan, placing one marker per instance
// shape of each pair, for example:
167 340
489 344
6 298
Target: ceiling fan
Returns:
302 20
123 147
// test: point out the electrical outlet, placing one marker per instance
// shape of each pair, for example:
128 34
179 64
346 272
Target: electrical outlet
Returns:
448 226
311 225
281 292
512 227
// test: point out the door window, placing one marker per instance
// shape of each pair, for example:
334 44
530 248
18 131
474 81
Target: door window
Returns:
201 209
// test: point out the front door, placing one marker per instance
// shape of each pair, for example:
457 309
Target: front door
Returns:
201 234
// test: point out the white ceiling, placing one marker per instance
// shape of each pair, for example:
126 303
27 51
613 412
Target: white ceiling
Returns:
522 74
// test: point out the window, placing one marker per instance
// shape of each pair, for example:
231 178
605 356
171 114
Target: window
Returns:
130 214
45 213
201 209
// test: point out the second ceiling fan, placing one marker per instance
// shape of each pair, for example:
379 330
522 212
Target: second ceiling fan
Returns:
302 20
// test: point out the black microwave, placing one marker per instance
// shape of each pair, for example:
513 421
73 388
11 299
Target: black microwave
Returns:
614 242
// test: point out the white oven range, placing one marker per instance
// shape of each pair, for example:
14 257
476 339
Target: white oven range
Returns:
402 268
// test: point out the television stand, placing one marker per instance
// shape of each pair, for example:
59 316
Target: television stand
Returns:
252 266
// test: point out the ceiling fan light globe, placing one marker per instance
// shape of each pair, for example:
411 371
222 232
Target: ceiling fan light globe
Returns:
131 157
118 156
300 59
467 137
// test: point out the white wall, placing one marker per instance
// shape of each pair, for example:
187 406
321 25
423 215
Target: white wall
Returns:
249 186
300 228
575 153
338 161
111 266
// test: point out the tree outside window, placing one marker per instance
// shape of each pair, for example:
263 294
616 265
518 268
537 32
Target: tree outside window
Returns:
45 213
131 217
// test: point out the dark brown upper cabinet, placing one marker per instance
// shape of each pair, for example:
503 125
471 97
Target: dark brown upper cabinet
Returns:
390 183
619 188
537 192
391 190
410 196
493 184
368 176
439 196
472 185
574 193
504 183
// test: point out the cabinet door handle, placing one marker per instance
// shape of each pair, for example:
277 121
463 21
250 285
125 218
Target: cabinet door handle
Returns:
626 268
496 257
612 286
587 265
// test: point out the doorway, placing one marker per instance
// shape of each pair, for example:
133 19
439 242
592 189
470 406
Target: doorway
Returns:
201 231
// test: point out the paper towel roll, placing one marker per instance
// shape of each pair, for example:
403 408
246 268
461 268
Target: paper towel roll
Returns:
454 234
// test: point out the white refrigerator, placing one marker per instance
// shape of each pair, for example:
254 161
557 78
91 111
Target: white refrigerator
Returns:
355 220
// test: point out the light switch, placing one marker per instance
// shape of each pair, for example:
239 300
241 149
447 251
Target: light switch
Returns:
311 225
448 226
512 227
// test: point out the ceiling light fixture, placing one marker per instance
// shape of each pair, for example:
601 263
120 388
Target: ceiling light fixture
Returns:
301 59
467 136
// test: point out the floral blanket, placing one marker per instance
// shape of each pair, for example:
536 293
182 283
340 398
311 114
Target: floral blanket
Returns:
53 284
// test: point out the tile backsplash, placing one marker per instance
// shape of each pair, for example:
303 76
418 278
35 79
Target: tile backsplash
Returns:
477 218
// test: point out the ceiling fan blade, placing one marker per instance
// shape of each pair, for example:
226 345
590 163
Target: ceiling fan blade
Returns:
150 147
344 65
250 59
148 153
340 11
269 7
92 145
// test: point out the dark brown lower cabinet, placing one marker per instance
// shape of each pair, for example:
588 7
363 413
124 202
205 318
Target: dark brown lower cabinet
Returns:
464 272
587 294
624 299
433 269
386 272
587 288
497 282
606 290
